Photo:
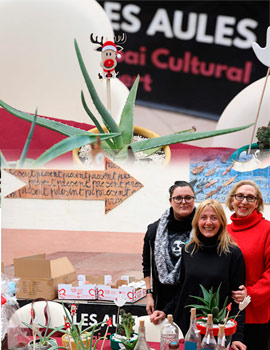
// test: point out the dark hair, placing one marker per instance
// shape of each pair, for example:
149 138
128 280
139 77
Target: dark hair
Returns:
180 184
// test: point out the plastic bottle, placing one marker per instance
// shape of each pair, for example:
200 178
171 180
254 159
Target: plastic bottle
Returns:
193 337
209 341
221 338
169 333
141 342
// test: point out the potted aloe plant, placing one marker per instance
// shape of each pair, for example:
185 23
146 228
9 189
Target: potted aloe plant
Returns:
77 338
42 340
116 139
210 304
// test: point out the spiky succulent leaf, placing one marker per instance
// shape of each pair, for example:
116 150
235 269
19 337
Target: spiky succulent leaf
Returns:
95 121
186 137
46 123
105 115
27 142
206 302
205 293
65 146
217 294
126 120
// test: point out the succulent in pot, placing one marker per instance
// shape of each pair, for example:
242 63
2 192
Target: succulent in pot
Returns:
210 304
117 140
44 338
124 332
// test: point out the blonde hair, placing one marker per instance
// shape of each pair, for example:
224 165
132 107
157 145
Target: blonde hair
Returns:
241 183
225 240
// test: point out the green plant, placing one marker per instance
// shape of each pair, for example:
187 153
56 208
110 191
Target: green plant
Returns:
117 141
263 137
210 304
125 326
125 330
120 144
79 335
77 138
46 338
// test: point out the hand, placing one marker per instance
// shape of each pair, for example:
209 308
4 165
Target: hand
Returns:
149 304
157 316
240 294
237 345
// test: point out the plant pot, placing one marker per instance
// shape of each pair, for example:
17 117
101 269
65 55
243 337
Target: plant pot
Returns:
228 330
138 131
40 346
115 342
260 158
66 343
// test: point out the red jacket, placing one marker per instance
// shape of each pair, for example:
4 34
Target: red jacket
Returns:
252 234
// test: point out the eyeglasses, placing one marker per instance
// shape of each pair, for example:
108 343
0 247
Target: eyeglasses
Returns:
240 197
179 199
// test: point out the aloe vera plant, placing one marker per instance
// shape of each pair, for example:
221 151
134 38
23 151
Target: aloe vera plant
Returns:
79 335
117 140
77 138
123 142
210 304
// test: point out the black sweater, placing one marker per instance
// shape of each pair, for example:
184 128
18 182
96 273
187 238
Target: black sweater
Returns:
162 293
209 269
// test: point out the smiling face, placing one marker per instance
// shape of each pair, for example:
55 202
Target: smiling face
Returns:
183 209
208 223
244 208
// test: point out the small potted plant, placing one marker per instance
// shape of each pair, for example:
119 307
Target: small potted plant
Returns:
76 338
42 340
124 332
259 151
210 305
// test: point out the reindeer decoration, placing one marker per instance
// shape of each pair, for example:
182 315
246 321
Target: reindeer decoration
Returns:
109 52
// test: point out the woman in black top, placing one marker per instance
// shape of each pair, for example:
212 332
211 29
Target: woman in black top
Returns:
210 258
162 246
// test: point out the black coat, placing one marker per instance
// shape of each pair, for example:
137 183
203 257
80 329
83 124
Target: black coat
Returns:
162 293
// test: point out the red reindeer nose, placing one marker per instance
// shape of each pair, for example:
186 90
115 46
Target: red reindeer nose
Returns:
108 63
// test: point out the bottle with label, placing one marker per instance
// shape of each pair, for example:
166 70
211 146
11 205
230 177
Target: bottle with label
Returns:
169 333
141 342
209 341
193 337
221 337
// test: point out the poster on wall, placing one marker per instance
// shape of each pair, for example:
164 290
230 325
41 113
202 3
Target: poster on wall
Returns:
192 56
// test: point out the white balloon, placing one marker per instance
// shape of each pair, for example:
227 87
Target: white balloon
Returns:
38 63
242 110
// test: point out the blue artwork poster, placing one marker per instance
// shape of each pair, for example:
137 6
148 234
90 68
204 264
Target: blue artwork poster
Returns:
214 174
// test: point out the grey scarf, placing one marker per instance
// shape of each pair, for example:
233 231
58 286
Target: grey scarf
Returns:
168 273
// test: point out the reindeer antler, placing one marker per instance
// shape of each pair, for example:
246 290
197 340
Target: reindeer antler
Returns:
120 39
96 41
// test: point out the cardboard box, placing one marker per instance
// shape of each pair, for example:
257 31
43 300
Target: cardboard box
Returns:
120 289
77 290
39 277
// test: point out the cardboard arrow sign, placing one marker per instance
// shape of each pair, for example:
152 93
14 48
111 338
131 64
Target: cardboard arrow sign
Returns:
113 184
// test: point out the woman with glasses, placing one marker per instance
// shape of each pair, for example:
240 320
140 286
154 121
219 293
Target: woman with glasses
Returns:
210 259
252 233
162 246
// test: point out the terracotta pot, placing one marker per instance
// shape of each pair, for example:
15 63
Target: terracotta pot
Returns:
66 343
228 330
137 131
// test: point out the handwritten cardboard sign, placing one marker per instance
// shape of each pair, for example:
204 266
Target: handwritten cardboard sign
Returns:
113 184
